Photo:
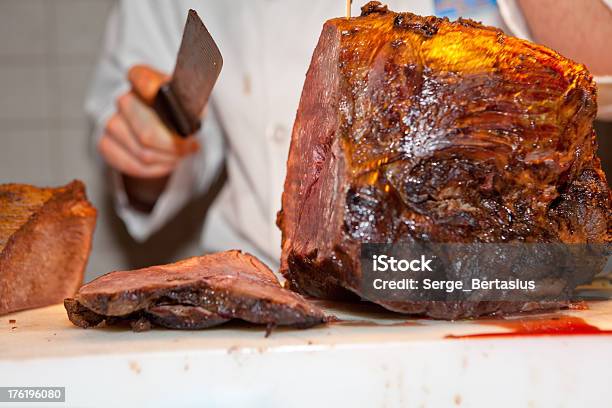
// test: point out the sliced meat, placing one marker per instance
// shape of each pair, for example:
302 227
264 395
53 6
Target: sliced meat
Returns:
195 293
45 241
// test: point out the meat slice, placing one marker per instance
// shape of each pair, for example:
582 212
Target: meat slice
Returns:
418 129
195 293
45 241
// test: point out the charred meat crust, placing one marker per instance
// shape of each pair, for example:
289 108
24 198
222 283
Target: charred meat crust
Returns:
372 7
182 317
80 315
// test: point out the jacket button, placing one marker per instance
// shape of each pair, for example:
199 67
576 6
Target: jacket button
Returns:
279 135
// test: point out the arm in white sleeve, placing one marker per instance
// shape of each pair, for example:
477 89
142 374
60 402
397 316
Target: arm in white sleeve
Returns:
514 19
149 32
192 176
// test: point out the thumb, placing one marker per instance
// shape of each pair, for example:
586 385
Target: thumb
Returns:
146 81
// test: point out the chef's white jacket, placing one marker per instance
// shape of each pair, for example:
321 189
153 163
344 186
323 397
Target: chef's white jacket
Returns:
266 46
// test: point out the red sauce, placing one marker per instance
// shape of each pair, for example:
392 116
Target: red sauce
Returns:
549 326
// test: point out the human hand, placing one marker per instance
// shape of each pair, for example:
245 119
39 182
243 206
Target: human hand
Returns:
135 141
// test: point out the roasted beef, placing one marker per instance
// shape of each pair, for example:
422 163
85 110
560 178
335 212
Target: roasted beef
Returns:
45 240
195 293
419 129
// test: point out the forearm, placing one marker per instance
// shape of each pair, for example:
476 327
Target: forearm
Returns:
580 30
143 193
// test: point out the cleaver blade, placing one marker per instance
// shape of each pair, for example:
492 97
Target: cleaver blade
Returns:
181 101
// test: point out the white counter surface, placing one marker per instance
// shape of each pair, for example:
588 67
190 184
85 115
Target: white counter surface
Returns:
401 365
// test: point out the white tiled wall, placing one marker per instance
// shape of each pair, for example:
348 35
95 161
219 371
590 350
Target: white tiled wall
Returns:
48 50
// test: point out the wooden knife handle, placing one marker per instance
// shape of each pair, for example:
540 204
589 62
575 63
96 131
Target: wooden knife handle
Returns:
169 109
153 88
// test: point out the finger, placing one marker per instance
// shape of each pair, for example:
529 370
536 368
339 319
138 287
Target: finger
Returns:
186 146
120 159
150 130
118 129
145 124
146 82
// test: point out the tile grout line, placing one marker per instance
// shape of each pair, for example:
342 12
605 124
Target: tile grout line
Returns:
53 90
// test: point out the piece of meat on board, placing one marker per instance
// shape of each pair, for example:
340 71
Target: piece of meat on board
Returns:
194 293
45 241
419 129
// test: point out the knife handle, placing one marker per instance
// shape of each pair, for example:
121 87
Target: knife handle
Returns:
169 110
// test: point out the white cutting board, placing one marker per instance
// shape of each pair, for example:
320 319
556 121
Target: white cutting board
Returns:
339 366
